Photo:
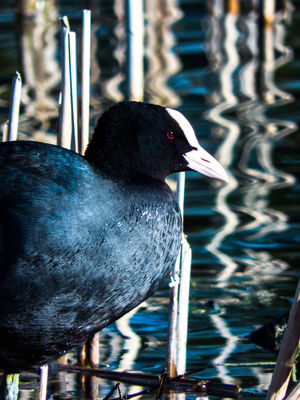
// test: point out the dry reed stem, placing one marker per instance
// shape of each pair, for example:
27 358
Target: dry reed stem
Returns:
44 370
14 109
85 80
65 117
287 353
295 393
135 50
73 90
179 301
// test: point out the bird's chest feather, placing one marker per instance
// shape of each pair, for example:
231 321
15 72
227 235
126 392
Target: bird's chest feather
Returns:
132 257
139 243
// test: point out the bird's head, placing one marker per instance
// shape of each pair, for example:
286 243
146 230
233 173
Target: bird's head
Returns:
140 139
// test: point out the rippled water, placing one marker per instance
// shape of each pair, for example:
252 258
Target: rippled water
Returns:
238 83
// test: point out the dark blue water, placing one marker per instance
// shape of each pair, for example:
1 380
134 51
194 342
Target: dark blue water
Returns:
238 83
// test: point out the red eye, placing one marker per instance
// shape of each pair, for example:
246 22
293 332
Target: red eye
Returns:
170 135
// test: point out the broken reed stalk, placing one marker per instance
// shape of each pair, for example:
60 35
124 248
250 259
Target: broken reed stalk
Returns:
9 389
287 352
68 111
85 80
44 371
130 396
269 9
89 353
65 113
183 306
14 109
179 299
185 262
73 87
163 378
295 393
135 50
180 383
111 392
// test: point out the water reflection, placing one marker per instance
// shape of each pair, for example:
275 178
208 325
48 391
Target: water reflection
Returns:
162 61
239 108
230 128
40 68
111 86
255 149
242 59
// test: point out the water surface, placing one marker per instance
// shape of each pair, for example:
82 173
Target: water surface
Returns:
238 83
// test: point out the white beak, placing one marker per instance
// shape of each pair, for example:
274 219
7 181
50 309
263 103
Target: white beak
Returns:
199 159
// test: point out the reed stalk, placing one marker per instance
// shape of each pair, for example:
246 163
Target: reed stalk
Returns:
179 298
295 393
65 114
14 109
44 371
73 87
135 50
85 80
287 353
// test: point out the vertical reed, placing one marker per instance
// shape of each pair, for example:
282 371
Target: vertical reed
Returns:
73 87
68 111
135 50
14 109
65 117
44 370
287 353
85 80
179 299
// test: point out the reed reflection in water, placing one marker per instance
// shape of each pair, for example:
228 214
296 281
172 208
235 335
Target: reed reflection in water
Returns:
241 54
245 56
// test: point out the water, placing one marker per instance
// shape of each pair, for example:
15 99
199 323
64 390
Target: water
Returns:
239 86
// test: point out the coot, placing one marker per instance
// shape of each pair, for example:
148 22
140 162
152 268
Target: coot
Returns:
83 240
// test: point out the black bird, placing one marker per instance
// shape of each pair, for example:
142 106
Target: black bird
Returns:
83 240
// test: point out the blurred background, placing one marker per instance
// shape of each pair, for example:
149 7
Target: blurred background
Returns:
232 67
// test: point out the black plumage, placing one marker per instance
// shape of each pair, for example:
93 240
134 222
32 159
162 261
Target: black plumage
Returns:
83 240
